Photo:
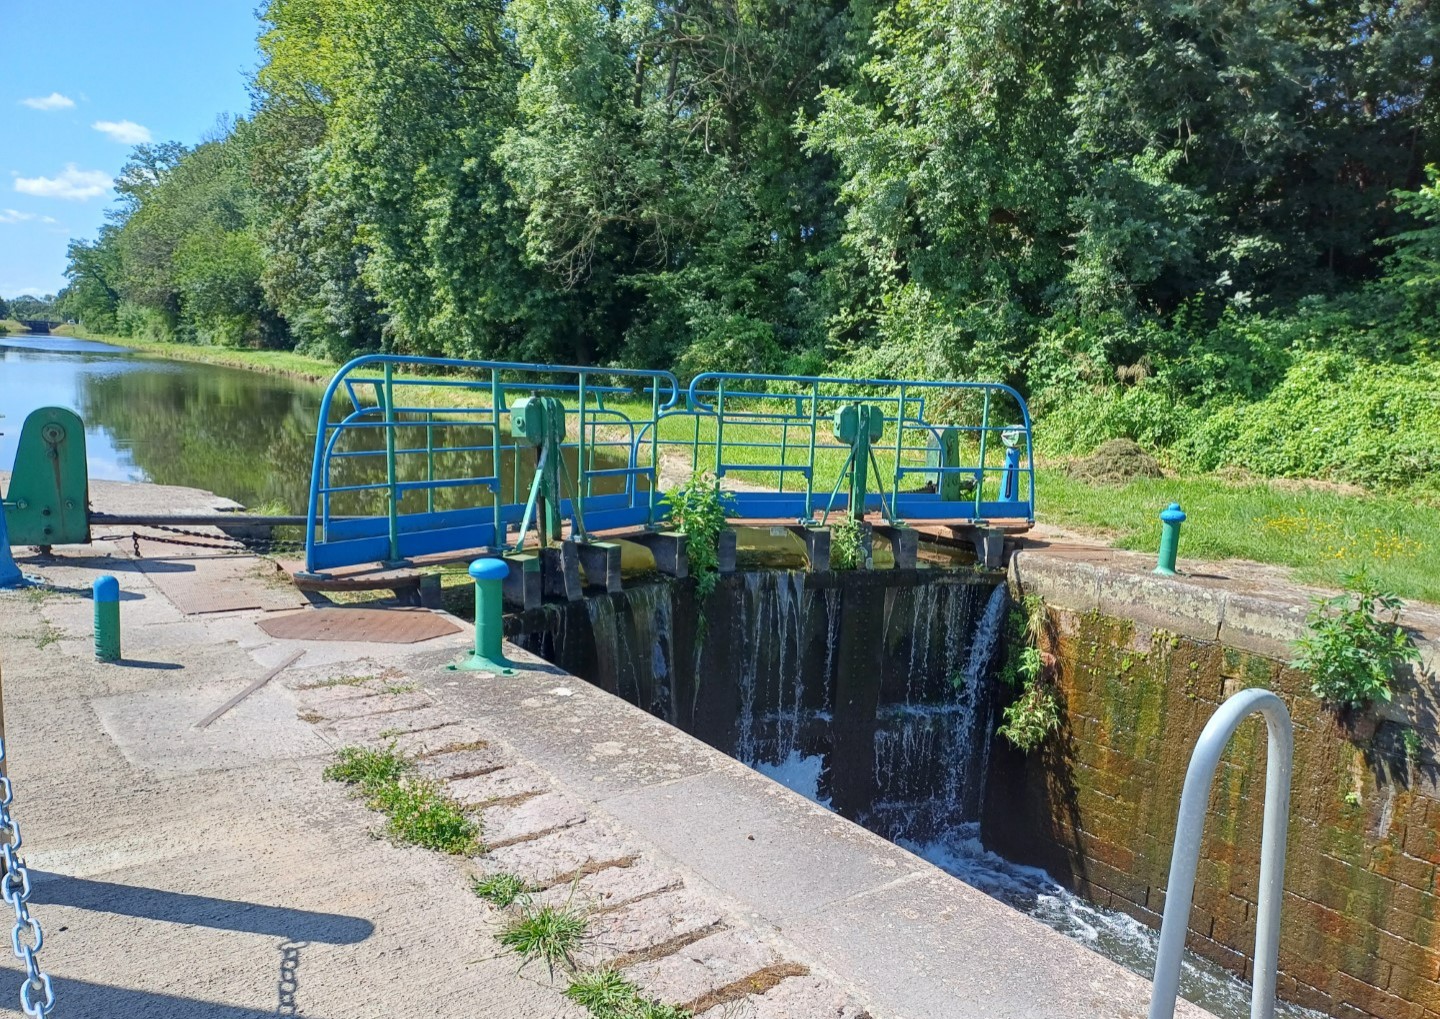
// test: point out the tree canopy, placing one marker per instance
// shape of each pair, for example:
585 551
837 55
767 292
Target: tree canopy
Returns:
1175 195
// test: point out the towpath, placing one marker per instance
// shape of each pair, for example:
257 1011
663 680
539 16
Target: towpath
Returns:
189 873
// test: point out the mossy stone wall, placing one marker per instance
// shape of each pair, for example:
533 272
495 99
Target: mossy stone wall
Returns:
1097 808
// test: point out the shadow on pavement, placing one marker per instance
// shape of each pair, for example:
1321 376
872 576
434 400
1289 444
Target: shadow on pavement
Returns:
199 910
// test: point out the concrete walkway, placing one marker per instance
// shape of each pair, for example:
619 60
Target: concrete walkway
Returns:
212 874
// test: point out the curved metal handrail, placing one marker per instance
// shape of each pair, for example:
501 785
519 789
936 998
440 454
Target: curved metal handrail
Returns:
1185 857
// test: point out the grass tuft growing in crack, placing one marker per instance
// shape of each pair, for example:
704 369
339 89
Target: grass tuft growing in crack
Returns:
605 994
499 889
417 809
546 933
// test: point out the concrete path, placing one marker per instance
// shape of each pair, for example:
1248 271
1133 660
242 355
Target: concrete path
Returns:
212 874
181 874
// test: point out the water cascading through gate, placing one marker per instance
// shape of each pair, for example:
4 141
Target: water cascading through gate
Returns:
869 693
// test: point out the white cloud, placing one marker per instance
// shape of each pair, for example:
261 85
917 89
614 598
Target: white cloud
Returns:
54 101
16 216
72 183
127 132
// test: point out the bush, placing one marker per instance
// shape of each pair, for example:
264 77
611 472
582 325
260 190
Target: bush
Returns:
1332 417
1354 645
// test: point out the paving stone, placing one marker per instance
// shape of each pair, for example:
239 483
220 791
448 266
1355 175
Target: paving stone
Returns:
792 998
378 728
648 926
376 704
552 858
516 822
322 698
456 764
515 780
429 742
612 887
707 965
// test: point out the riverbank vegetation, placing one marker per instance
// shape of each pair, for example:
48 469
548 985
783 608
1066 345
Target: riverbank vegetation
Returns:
1207 228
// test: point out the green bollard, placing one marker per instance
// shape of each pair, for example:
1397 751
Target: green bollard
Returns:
106 592
489 577
1170 521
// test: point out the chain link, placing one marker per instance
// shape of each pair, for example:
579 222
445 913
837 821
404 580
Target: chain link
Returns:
37 997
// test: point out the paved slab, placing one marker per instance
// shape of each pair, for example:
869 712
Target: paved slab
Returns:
188 875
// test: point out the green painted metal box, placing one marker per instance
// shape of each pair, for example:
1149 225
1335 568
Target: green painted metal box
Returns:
852 418
534 419
47 502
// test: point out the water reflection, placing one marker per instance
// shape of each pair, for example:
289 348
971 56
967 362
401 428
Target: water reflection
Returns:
242 434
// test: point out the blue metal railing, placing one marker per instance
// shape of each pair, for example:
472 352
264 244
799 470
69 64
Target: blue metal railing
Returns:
395 476
977 433
399 473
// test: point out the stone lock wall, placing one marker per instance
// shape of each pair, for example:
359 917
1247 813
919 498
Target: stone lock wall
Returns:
1097 808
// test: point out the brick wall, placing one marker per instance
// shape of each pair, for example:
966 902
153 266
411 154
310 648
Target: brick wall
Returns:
1097 808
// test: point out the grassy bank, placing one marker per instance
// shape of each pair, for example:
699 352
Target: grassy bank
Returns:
277 362
1321 532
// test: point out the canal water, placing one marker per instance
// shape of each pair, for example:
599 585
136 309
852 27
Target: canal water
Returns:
240 434
909 762
246 435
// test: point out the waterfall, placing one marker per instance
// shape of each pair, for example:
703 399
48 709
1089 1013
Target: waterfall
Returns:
862 692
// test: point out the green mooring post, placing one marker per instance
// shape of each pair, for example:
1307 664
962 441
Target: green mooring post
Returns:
106 592
489 577
1170 521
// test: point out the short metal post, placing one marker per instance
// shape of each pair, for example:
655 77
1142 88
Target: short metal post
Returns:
489 575
1170 522
1190 827
106 592
10 575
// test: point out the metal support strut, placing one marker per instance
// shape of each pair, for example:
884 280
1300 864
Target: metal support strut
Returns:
1189 828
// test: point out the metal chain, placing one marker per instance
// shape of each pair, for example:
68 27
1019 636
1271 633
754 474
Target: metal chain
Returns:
37 997
232 546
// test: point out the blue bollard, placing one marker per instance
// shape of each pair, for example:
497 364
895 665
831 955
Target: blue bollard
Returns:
1170 521
106 592
10 575
489 576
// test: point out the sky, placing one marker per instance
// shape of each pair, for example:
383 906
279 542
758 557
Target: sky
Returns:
81 83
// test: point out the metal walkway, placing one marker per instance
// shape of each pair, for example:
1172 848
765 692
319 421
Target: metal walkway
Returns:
420 456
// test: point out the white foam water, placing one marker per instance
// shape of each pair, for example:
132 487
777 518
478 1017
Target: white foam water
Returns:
1113 934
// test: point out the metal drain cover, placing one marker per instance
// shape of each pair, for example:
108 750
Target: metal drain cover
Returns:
380 626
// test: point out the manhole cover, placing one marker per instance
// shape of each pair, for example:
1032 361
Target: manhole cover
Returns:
382 626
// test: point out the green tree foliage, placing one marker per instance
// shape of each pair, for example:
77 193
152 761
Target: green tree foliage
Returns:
1160 219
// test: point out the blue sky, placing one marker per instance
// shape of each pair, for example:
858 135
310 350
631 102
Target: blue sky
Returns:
80 82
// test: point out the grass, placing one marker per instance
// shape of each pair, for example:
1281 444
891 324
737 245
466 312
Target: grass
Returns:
417 810
608 995
1322 534
499 889
549 933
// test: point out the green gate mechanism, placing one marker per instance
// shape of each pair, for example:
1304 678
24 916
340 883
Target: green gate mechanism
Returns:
539 421
48 500
860 426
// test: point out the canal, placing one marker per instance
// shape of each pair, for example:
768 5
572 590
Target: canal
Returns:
250 436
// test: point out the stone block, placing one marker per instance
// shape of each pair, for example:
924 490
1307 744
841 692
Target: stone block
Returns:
379 728
1164 603
560 572
601 562
562 856
809 997
439 740
703 967
648 929
507 783
1062 583
1261 625
376 704
456 764
612 887
510 823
